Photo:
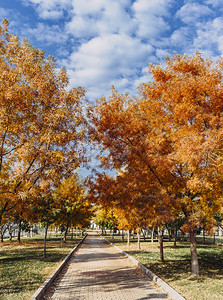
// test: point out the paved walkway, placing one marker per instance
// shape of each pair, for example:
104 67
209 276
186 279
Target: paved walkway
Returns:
98 272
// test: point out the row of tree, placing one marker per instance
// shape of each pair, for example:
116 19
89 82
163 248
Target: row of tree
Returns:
41 137
166 145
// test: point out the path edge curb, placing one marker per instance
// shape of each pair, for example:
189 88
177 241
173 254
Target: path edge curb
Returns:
160 282
46 284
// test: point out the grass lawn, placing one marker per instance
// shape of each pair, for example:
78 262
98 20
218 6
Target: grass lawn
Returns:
176 268
22 267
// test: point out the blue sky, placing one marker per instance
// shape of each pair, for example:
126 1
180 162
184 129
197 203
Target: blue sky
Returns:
111 42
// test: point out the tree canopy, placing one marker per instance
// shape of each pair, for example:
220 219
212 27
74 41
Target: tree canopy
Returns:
165 144
41 126
170 137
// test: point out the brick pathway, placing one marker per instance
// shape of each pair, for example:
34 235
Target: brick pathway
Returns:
98 272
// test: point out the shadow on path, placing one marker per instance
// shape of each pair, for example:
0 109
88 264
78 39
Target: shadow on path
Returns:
98 272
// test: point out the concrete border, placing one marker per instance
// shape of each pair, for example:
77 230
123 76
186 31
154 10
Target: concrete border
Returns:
46 284
166 287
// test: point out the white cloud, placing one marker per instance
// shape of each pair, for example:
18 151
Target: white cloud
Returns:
214 3
110 42
191 13
4 13
143 18
152 27
145 77
108 60
93 7
49 9
47 34
154 7
210 37
13 21
181 37
99 17
162 53
82 27
150 17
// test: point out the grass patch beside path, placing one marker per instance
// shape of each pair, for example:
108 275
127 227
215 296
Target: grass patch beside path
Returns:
176 270
22 267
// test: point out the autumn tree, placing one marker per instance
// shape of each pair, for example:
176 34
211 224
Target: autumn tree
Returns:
171 136
20 216
132 200
41 127
105 218
73 206
43 208
188 95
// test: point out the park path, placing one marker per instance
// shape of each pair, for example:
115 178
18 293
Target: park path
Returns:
98 272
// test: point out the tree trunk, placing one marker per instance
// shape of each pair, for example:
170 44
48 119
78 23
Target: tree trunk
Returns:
147 233
2 231
123 235
10 235
169 235
203 236
61 240
138 239
133 234
160 237
45 237
193 251
19 231
65 233
128 237
144 235
152 235
175 236
183 236
113 233
72 234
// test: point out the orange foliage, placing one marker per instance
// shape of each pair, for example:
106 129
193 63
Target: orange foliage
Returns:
40 127
170 138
